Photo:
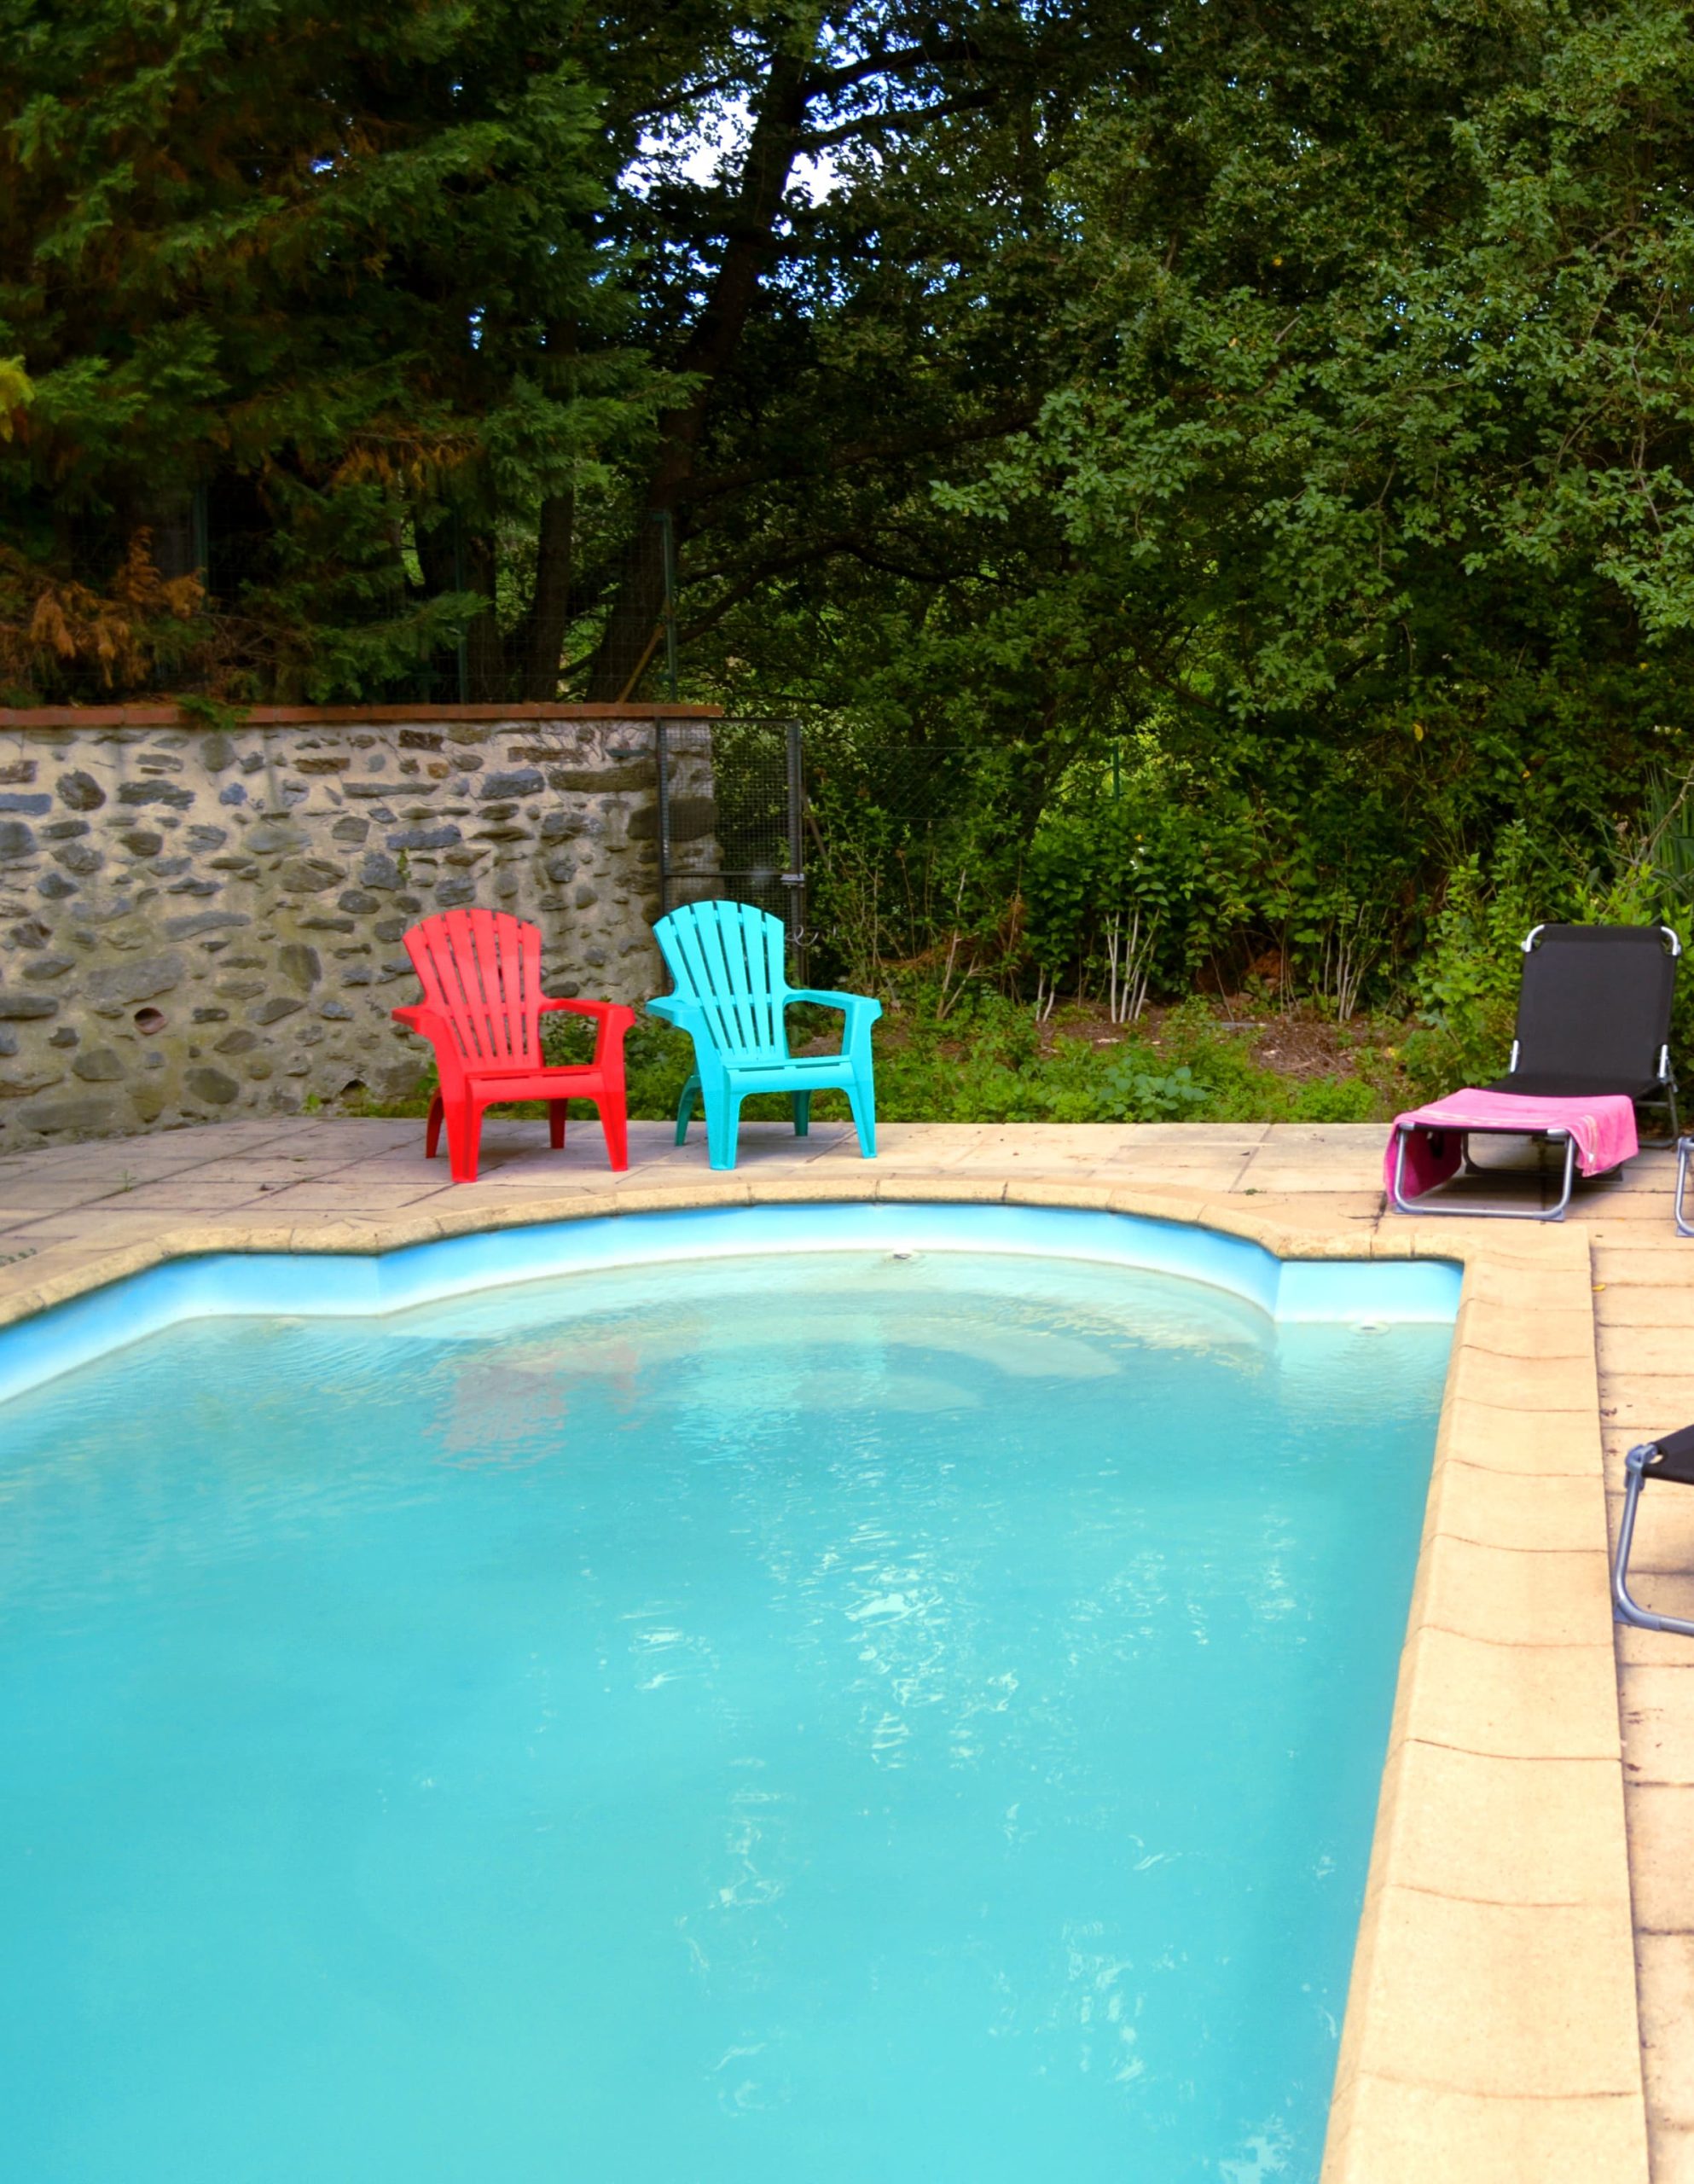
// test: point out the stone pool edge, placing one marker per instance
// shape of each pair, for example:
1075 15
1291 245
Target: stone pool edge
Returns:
1491 2033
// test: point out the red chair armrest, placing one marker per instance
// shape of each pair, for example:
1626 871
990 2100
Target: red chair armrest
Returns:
613 1018
429 1025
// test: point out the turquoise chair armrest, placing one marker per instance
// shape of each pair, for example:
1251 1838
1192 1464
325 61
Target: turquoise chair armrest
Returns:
672 1008
859 1004
861 1009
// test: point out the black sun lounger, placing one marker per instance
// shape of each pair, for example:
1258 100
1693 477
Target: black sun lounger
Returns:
1594 1020
1593 1016
1671 1461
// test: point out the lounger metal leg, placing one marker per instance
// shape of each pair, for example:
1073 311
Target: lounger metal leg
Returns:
1398 1178
1683 1147
1557 1212
1625 1609
1425 1205
1671 1126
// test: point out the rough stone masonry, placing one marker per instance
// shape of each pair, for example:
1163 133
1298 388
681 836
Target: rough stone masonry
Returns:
197 922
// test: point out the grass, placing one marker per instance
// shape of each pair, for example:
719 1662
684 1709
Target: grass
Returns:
989 1061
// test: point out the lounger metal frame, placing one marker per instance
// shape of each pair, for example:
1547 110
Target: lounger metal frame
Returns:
1685 1145
1427 1204
1638 1469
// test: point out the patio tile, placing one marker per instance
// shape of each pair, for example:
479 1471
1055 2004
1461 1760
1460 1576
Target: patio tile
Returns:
1642 1403
1660 1306
1672 2155
1656 1352
1657 1706
29 1195
1527 1293
1667 1593
116 1224
1532 2002
1650 1266
844 1188
1509 1509
1516 1599
1430 2133
121 1175
1661 1815
1506 1330
1307 1137
1665 1984
1521 1242
1537 1383
1262 1175
290 1201
187 1193
1515 1702
979 1190
1664 1529
1510 1831
1503 1437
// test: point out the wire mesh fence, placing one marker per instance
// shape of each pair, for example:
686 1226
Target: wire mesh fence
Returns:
871 856
905 855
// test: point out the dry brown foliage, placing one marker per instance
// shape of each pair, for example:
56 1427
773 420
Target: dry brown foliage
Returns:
55 631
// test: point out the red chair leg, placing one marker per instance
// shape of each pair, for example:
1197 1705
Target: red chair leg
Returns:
555 1121
614 1120
464 1140
432 1129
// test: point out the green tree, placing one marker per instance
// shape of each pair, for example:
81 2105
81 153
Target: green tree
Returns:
1382 442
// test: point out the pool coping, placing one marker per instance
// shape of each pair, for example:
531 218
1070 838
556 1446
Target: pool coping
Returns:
1491 2030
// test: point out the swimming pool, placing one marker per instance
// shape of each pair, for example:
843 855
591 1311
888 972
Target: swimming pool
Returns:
906 1701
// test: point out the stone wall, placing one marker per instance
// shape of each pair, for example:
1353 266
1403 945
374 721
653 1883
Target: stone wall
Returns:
197 922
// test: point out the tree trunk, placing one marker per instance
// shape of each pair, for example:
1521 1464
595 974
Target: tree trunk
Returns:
487 680
549 615
632 630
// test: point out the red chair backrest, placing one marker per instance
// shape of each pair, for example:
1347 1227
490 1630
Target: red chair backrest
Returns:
481 970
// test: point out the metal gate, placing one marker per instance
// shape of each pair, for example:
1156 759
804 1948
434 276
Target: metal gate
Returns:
744 837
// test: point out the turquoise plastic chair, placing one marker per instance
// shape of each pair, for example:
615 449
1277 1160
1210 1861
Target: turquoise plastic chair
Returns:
732 991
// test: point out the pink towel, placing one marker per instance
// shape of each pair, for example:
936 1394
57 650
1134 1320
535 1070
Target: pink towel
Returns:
1604 1127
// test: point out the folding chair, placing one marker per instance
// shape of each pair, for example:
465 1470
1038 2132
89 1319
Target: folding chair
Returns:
1593 1026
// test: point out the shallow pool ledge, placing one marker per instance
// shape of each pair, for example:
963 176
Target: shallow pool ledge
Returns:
316 1284
1492 2033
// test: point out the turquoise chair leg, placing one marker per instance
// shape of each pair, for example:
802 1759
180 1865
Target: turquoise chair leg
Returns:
861 1098
803 1114
684 1108
723 1124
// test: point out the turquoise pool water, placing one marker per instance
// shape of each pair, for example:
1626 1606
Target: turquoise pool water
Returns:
792 1721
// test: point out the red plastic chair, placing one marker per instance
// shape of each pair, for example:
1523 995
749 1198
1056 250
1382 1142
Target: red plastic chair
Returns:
482 1004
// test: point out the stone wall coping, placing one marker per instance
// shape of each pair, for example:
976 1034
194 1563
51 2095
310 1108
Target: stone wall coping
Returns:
13 717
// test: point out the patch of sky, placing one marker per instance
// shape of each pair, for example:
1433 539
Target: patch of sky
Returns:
707 146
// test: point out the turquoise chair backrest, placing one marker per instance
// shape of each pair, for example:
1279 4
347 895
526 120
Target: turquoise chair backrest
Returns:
727 959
